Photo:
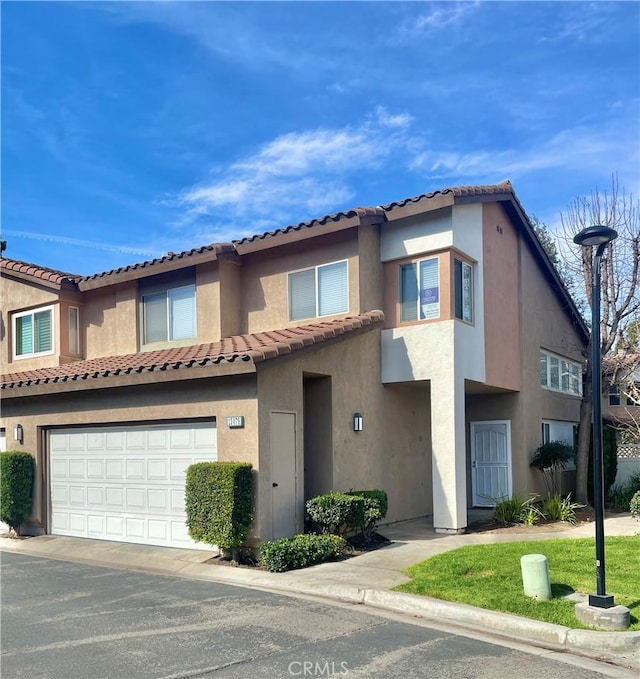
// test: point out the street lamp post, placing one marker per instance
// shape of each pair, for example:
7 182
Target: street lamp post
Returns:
599 236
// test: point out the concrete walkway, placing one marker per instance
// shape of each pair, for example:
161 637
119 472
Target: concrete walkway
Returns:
367 579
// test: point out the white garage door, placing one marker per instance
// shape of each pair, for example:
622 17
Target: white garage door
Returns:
126 483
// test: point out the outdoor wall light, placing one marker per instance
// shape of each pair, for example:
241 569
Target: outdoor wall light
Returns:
18 433
357 421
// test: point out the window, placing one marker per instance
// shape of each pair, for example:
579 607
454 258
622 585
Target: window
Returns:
319 291
33 333
560 374
420 290
463 273
74 330
169 315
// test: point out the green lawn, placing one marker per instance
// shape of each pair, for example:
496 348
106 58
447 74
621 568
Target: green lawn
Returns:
489 576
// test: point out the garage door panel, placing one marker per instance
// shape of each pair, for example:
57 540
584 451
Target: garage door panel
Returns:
157 470
95 441
95 469
133 493
114 469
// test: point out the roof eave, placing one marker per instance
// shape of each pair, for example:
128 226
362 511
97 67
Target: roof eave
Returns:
166 264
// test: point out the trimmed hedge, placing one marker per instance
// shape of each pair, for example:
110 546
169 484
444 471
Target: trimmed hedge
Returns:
337 513
16 483
300 551
219 503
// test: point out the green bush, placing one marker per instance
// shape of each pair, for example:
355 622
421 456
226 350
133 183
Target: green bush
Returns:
634 505
16 483
620 495
550 458
376 505
337 513
516 509
219 503
609 462
300 551
557 508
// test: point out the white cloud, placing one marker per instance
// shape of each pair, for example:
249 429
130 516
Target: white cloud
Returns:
307 172
78 242
440 15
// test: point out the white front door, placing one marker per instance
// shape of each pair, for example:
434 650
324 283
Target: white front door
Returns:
490 462
283 475
126 483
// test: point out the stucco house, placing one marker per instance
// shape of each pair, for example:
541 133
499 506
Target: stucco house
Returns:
439 320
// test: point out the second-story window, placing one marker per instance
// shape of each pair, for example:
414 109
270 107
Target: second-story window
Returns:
319 291
420 290
33 333
463 273
169 315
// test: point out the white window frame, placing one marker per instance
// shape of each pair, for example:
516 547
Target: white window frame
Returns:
419 310
32 312
74 334
548 435
166 291
316 270
565 367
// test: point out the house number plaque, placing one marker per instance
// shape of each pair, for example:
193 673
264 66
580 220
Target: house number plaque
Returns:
235 422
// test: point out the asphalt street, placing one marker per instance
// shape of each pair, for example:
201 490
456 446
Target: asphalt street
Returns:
64 620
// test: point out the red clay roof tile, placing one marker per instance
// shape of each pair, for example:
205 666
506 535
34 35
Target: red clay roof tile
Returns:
255 348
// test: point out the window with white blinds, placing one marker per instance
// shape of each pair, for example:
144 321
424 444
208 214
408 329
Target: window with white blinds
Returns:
463 274
319 291
420 290
33 333
169 315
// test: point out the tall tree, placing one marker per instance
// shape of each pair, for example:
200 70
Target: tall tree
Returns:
620 308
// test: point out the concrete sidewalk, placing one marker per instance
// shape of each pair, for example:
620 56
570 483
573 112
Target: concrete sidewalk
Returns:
366 580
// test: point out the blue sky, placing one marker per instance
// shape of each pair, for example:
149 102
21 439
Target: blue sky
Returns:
133 129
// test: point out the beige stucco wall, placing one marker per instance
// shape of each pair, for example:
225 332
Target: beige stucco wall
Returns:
188 400
110 320
16 296
544 324
500 245
265 294
393 450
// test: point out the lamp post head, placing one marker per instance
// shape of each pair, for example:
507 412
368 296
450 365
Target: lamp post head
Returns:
595 235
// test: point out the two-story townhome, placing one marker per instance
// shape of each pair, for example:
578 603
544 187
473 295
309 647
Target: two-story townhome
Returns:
425 347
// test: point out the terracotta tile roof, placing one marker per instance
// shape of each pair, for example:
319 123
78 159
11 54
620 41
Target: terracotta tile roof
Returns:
37 272
322 221
456 192
214 248
254 348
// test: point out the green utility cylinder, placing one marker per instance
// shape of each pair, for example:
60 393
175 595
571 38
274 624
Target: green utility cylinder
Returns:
535 576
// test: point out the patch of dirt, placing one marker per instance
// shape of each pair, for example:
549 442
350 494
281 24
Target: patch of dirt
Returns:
490 525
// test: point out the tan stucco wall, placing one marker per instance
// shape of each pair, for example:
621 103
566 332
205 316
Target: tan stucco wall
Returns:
16 296
189 400
265 294
501 298
393 450
110 320
369 269
546 325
